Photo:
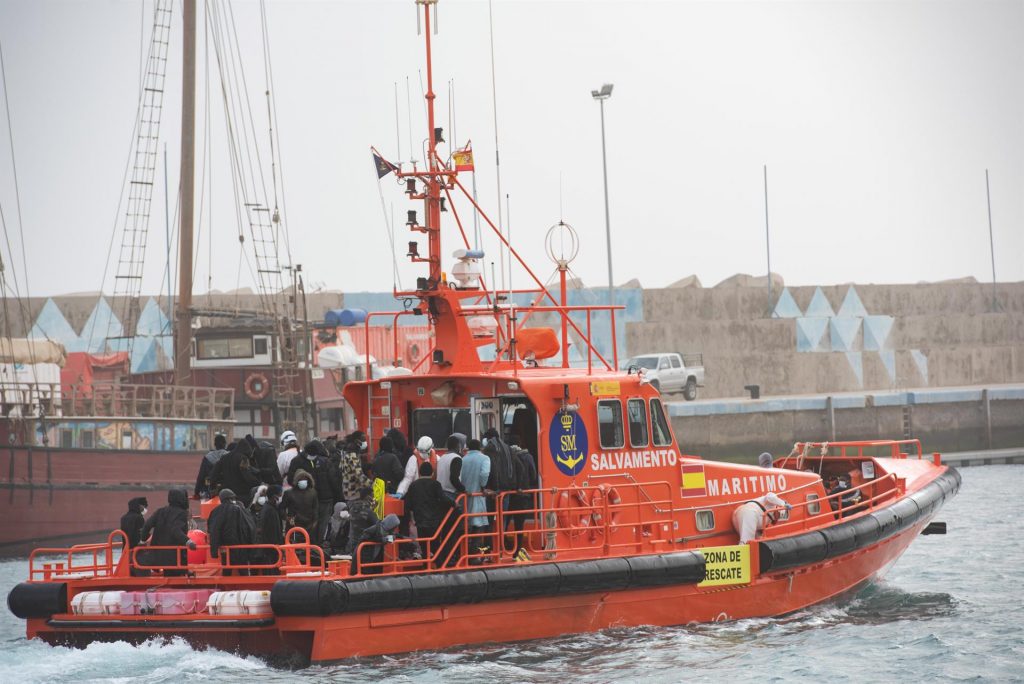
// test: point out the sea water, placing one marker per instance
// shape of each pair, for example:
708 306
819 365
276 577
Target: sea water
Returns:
951 609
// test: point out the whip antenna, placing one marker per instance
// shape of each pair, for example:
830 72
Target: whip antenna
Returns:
497 159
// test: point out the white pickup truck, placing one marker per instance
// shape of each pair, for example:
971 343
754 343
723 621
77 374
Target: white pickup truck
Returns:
670 372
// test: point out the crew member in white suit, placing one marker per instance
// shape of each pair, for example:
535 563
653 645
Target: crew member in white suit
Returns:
748 518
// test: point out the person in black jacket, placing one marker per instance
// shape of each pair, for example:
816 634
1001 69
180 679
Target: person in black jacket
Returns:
387 466
503 475
426 505
314 460
300 504
265 458
400 445
168 527
526 478
379 534
236 470
202 490
361 516
230 524
269 527
134 520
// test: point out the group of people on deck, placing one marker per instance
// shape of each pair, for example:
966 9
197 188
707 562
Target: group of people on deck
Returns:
326 489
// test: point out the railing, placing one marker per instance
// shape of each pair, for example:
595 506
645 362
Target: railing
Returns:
581 530
79 562
115 400
896 448
833 507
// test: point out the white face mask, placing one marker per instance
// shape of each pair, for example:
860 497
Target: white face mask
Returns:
362 445
486 440
302 484
262 501
144 511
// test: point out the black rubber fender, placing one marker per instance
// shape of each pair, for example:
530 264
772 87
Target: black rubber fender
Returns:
379 593
38 599
448 588
308 597
907 513
840 539
661 570
542 579
888 522
790 552
605 574
867 529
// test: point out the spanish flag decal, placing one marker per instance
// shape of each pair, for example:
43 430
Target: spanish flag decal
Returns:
693 480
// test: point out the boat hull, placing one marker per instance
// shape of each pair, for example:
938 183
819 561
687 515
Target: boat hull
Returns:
54 497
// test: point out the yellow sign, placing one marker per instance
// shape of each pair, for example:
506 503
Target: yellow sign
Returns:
726 565
606 388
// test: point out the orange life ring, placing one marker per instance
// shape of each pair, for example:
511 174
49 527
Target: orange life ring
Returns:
257 386
602 494
412 353
574 512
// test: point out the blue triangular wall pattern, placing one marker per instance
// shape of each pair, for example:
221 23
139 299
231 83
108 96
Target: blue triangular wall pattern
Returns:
843 332
888 359
810 334
856 362
102 324
152 320
852 306
51 324
786 307
921 361
819 305
876 332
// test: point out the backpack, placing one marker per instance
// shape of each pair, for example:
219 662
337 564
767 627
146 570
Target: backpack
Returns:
246 526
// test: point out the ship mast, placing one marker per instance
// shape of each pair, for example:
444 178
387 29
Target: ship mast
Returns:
433 194
183 314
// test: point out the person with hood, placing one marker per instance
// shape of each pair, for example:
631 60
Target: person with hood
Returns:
378 534
266 463
269 529
476 471
230 524
765 460
386 465
503 476
424 454
301 504
352 476
168 527
314 461
526 479
289 450
202 490
236 470
337 530
134 520
401 446
426 505
748 518
361 516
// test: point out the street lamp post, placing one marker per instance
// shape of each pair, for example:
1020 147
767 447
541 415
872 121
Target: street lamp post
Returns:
601 95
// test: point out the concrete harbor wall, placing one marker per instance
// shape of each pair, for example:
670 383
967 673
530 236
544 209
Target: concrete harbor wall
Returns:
839 338
945 420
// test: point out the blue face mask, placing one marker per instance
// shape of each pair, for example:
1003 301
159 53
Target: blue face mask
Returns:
302 484
486 440
261 500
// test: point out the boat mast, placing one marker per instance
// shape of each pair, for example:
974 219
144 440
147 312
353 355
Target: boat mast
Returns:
183 315
433 194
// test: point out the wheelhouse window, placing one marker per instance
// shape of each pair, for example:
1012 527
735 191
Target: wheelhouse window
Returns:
705 520
609 422
659 425
438 423
636 410
225 348
813 507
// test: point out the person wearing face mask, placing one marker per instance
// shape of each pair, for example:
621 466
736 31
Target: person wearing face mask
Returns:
301 504
352 476
337 530
386 465
133 521
424 454
269 529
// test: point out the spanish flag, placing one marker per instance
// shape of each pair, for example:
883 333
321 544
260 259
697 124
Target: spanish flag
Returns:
464 158
693 483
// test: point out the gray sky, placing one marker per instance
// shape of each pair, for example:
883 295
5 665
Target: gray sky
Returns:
877 121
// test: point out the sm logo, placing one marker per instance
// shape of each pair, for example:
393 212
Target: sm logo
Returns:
567 439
